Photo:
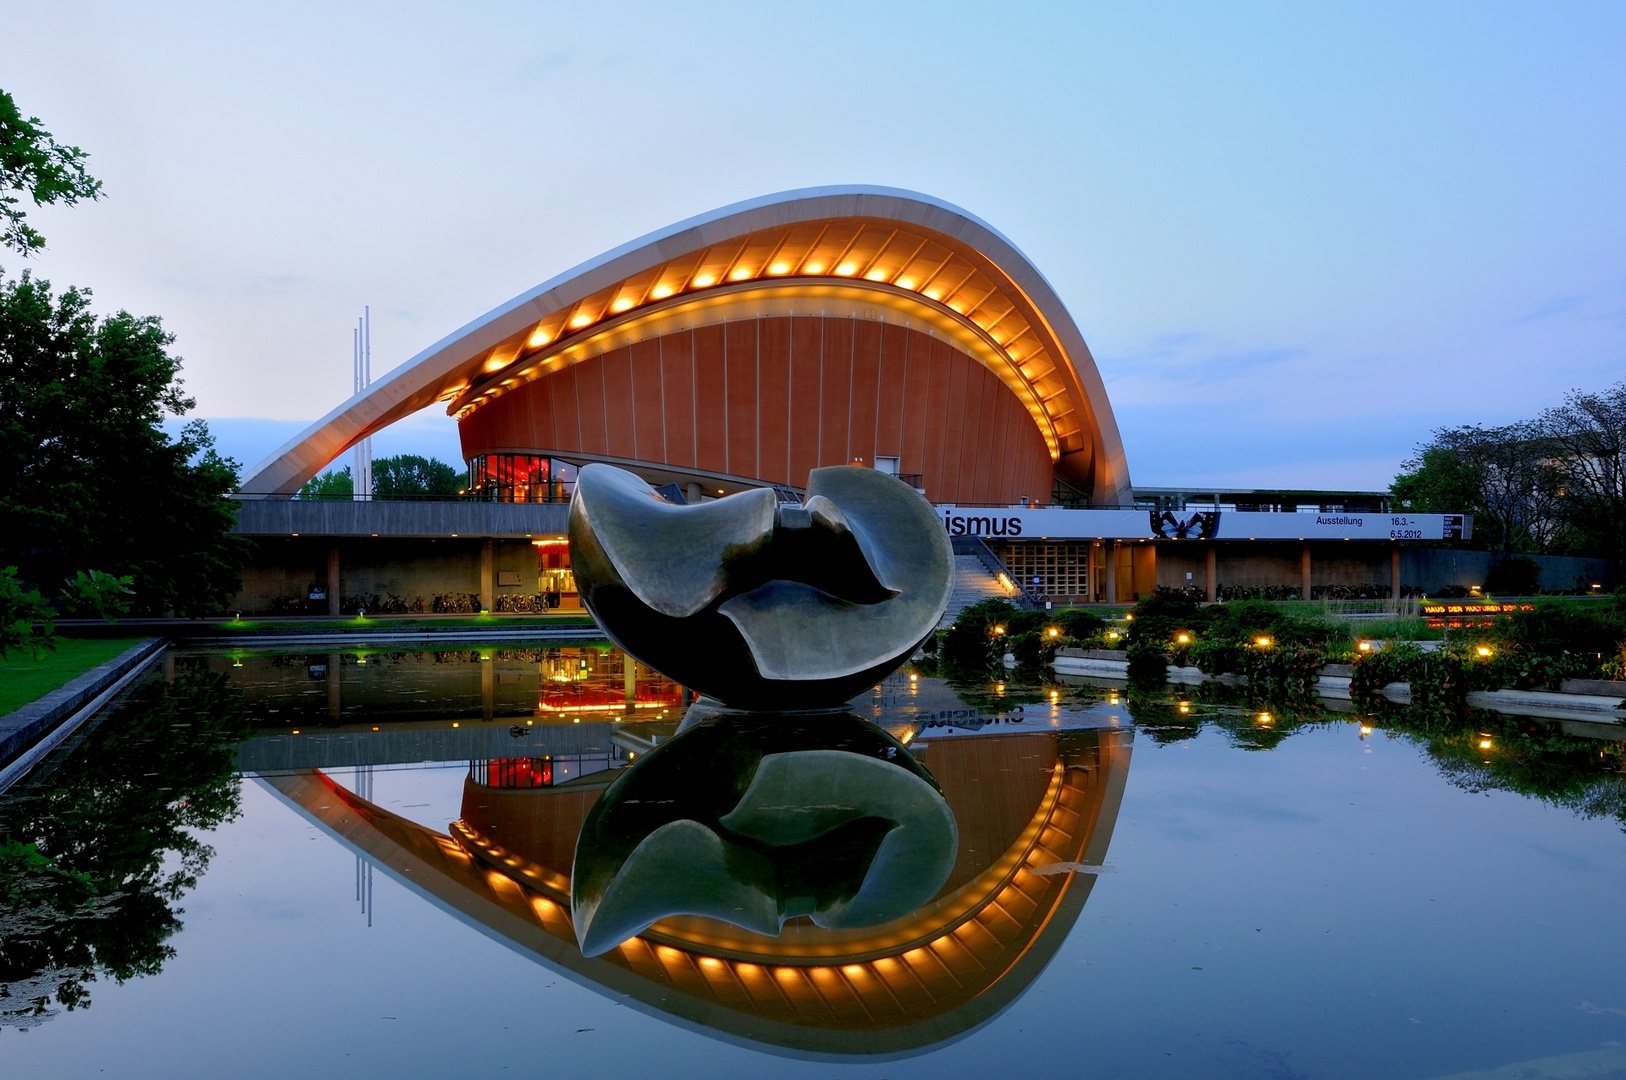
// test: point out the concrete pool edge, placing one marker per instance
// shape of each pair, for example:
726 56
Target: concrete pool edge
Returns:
29 733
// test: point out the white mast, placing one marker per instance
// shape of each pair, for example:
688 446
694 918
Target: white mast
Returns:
361 469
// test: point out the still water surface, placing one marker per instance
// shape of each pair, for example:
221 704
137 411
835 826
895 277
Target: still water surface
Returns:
388 891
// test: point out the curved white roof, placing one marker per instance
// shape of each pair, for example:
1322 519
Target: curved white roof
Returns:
1046 360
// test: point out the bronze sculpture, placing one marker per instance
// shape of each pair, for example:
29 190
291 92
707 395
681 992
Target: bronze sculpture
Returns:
761 605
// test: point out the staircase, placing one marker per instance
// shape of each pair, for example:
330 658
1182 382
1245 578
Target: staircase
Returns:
973 582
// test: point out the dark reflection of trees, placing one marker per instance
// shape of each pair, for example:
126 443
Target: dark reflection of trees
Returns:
1526 756
999 696
1160 715
96 853
1531 758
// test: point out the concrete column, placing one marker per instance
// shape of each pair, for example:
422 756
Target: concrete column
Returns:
629 682
1211 574
488 685
1394 572
487 590
333 580
1304 572
1112 572
335 700
1093 589
691 491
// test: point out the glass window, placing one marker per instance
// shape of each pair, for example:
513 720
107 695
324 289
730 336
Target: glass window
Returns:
521 478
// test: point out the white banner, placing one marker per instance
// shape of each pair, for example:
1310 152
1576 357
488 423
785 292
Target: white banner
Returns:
1024 523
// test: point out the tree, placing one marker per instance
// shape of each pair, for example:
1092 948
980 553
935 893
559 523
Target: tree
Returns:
334 484
1502 475
89 480
1588 438
409 474
1438 481
34 164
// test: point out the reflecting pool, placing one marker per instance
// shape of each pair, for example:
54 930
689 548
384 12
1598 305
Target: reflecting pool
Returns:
546 861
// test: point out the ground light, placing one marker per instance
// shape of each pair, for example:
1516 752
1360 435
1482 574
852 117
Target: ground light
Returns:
1483 650
1266 719
1183 639
1262 642
1053 632
1364 646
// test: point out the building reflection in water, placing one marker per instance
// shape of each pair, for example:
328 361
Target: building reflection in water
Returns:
1033 813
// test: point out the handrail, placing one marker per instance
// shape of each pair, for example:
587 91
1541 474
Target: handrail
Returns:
469 497
976 545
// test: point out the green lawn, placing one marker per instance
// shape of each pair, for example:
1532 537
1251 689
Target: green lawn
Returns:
23 678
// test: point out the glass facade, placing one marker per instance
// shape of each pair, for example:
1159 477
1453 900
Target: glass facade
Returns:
521 478
1061 570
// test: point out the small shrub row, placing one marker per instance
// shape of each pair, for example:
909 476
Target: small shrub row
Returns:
985 631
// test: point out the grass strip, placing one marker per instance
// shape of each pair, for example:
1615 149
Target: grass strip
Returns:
24 678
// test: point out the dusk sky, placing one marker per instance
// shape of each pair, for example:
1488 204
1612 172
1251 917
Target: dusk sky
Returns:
1296 237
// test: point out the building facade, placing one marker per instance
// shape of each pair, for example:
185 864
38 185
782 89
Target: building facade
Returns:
746 347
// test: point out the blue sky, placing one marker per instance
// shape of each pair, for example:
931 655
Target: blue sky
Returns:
1296 237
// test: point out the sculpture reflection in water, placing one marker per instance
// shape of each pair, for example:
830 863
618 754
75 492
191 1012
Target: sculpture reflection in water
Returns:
793 971
757 819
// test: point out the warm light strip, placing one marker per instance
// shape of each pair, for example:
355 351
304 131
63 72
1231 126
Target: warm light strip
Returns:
760 298
936 286
606 708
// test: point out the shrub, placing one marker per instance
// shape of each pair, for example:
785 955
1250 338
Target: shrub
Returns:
97 594
1148 666
971 644
25 617
1080 625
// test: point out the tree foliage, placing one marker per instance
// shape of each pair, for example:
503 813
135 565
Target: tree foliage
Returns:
1587 435
1553 484
333 484
34 164
25 617
395 477
89 480
410 474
